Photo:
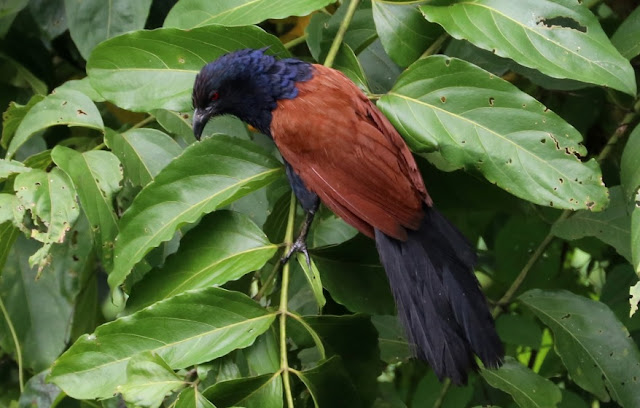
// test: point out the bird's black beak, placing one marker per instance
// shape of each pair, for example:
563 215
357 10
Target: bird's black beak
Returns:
200 120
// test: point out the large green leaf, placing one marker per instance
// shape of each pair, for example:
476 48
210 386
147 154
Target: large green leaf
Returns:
630 165
207 176
196 13
627 37
38 393
352 273
192 398
149 379
93 21
403 30
40 312
61 107
612 226
391 339
329 385
50 199
242 392
188 329
478 121
527 388
97 176
162 64
50 16
8 11
594 346
560 38
9 167
224 246
142 152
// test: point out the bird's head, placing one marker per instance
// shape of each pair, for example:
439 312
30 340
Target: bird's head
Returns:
247 84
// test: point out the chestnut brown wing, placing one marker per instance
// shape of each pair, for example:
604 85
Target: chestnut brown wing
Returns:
349 154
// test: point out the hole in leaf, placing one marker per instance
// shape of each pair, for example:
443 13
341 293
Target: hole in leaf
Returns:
443 99
562 22
568 315
491 100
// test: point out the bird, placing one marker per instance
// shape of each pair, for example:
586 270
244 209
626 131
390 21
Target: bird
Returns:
339 149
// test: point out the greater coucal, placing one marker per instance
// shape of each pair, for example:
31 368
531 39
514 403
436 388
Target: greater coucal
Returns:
340 149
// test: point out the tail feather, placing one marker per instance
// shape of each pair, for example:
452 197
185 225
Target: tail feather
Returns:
438 297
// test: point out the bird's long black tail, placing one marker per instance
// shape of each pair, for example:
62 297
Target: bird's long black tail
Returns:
439 301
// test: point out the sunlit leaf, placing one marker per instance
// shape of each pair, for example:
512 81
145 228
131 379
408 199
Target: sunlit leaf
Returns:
9 167
223 247
478 121
208 175
560 38
162 64
188 329
149 379
61 107
196 13
96 175
13 116
142 152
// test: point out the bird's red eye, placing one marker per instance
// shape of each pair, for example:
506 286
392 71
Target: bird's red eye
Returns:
215 96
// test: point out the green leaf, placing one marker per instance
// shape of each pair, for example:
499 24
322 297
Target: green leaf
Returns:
630 165
391 339
627 37
528 389
176 123
329 385
50 198
40 315
188 329
9 9
347 62
149 379
615 294
38 393
224 246
92 21
634 298
192 398
560 38
11 210
313 277
162 64
50 16
142 152
8 235
61 107
196 13
13 116
352 273
403 30
478 121
84 86
519 330
9 167
594 346
246 392
97 176
329 229
611 226
207 176
355 340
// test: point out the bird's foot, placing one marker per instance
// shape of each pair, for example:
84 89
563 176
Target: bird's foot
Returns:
299 245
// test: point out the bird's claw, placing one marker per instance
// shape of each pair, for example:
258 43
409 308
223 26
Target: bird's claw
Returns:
299 245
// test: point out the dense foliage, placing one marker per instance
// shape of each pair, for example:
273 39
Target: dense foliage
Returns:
140 268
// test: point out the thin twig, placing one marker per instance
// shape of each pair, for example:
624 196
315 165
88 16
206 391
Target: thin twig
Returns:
14 336
144 122
337 41
435 46
296 41
284 299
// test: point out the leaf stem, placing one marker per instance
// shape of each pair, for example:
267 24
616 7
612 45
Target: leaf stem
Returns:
14 336
284 299
337 41
144 122
443 392
435 46
296 41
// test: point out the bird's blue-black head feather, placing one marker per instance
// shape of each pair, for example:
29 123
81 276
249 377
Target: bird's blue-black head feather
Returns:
246 83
